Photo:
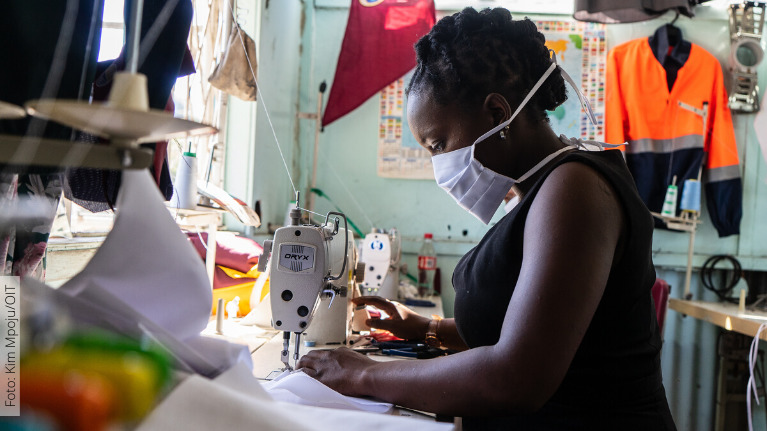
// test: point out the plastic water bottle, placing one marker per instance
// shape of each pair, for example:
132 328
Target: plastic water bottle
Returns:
427 265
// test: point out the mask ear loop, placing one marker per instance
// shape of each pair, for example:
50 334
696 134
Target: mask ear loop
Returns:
584 101
586 107
527 98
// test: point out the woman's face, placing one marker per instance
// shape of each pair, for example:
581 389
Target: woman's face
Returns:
444 128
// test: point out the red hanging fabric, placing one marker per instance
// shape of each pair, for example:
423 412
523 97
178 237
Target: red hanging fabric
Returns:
377 49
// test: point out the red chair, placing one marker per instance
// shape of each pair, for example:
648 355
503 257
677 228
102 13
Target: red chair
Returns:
660 291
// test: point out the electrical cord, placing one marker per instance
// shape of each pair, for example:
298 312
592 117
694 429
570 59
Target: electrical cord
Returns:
753 356
706 277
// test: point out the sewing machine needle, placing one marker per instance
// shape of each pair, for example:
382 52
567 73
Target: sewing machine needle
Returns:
298 345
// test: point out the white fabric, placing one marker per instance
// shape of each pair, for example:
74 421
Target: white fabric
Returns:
147 280
297 387
240 378
236 401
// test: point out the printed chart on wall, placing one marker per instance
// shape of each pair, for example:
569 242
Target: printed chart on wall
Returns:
399 155
581 50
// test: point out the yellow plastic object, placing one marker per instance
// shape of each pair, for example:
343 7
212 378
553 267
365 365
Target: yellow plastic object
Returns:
228 294
233 273
264 291
135 378
242 290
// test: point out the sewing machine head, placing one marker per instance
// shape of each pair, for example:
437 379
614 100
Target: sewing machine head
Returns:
302 269
381 253
332 324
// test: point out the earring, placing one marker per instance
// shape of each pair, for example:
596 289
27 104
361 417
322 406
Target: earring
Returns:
503 134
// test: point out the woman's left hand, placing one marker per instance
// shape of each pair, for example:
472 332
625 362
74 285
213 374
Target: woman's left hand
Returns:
341 369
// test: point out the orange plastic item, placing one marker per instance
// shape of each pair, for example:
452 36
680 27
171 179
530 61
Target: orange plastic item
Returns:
76 401
136 380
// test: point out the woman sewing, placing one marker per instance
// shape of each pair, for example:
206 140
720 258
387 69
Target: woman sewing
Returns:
554 319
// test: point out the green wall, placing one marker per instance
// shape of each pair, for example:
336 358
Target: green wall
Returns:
298 45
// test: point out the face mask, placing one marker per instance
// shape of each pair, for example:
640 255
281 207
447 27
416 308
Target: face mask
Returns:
478 189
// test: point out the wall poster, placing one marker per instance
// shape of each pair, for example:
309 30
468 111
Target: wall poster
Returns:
581 50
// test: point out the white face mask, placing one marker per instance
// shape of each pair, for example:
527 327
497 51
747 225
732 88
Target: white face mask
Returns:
477 188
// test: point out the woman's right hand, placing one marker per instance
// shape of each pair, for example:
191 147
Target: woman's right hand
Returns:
402 321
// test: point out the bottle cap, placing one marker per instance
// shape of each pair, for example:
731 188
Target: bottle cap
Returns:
189 154
427 236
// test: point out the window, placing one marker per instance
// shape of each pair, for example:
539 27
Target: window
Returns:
195 99
112 30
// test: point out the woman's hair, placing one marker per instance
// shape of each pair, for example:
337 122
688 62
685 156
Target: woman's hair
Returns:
471 54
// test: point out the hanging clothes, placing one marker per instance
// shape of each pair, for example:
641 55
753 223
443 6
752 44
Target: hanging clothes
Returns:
49 54
164 60
654 86
623 11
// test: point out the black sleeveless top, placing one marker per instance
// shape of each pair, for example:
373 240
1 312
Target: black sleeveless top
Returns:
614 381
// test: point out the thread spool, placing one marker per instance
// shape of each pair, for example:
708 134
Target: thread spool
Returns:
220 316
742 301
691 196
291 206
669 203
185 184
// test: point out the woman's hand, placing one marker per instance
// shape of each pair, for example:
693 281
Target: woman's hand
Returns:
402 322
341 369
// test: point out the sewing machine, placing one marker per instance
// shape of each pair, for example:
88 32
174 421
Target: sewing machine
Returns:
309 266
332 323
381 252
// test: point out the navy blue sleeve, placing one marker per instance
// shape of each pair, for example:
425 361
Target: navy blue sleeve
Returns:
724 200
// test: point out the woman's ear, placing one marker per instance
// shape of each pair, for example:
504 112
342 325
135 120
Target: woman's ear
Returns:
498 107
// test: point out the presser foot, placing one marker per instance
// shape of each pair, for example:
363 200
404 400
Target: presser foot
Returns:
284 355
285 360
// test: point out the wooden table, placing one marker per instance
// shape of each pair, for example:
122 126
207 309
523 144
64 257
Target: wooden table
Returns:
725 315
265 345
732 318
65 257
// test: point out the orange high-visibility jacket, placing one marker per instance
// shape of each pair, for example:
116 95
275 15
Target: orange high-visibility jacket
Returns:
665 137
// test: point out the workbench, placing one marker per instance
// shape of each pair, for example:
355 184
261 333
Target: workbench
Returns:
266 356
722 314
730 397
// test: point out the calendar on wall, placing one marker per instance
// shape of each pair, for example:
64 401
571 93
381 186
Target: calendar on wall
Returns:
581 50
